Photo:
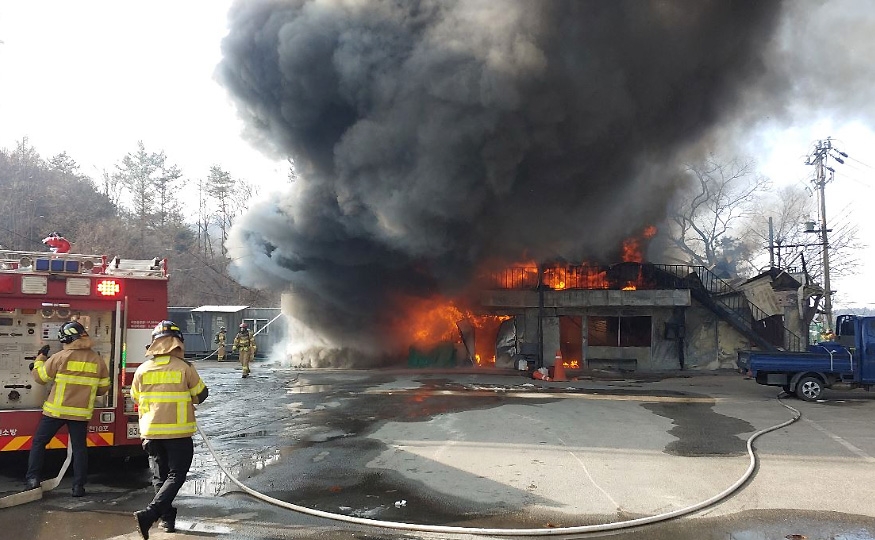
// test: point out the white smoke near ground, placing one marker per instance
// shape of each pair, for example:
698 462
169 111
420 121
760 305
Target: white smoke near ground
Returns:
303 347
434 136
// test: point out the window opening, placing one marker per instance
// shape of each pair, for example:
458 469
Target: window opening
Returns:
619 331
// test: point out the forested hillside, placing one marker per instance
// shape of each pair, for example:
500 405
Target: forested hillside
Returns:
135 211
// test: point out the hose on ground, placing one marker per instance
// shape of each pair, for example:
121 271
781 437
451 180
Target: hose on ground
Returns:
555 531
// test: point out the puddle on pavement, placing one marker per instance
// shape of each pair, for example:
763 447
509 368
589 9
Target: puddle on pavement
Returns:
245 434
376 497
310 389
206 478
700 431
373 497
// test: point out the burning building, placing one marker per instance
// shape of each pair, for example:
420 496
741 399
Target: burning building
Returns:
632 316
436 142
636 316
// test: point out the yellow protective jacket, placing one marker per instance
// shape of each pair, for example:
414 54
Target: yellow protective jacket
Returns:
244 342
166 388
78 373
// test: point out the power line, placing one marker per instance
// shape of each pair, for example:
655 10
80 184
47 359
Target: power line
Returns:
860 162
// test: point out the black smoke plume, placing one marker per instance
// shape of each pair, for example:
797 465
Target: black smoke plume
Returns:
431 136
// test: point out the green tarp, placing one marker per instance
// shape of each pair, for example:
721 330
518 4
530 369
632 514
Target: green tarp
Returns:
441 355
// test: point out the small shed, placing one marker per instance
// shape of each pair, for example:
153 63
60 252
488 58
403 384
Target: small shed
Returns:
201 324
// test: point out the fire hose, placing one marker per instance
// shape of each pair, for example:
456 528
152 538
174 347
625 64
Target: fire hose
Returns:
556 531
253 335
36 494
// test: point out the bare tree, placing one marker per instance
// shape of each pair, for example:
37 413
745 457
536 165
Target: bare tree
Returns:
20 203
796 247
706 220
204 217
110 185
293 170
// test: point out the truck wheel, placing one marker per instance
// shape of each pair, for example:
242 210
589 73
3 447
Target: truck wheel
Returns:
809 388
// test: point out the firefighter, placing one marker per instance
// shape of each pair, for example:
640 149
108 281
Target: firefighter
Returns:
166 388
220 344
244 344
79 374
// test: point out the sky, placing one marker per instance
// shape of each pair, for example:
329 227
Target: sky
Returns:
93 78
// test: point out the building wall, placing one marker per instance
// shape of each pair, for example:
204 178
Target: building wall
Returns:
708 342
200 328
711 342
659 305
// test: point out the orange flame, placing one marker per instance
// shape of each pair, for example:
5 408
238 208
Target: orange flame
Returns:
426 323
430 321
632 246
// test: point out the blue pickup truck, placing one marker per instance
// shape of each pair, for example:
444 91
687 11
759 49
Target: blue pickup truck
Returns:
847 361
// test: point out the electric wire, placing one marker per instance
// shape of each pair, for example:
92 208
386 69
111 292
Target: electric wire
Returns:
860 162
556 531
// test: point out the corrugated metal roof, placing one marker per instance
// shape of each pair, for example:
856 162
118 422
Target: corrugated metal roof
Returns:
221 309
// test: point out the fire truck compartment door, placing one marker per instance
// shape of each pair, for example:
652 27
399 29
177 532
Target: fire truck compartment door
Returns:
23 332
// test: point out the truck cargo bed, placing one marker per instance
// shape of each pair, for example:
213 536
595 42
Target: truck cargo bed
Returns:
838 361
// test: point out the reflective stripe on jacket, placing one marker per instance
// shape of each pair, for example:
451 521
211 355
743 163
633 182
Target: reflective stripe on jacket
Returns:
78 373
244 341
166 389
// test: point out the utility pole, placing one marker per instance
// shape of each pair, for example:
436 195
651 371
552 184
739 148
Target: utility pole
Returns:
823 150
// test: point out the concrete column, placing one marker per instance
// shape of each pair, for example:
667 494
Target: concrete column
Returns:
551 339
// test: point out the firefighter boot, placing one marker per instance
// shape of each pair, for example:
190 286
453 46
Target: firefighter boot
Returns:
168 521
78 491
32 483
144 519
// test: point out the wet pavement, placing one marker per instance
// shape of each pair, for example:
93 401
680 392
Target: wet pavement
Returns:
489 449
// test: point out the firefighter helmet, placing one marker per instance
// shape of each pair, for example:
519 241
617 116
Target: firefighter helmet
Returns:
244 327
167 328
71 331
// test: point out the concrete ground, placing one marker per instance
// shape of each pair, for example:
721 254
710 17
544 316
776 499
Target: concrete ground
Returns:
496 450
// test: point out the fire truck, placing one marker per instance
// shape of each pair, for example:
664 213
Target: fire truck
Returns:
118 301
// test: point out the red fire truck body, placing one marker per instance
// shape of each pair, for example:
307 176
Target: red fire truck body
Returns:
118 301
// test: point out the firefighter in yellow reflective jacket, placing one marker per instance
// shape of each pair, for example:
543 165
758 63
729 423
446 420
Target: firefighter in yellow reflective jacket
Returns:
220 344
166 388
244 344
79 374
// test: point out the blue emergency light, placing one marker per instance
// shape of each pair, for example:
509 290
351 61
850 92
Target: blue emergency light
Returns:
57 265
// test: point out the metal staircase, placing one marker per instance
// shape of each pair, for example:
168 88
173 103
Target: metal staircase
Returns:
729 304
